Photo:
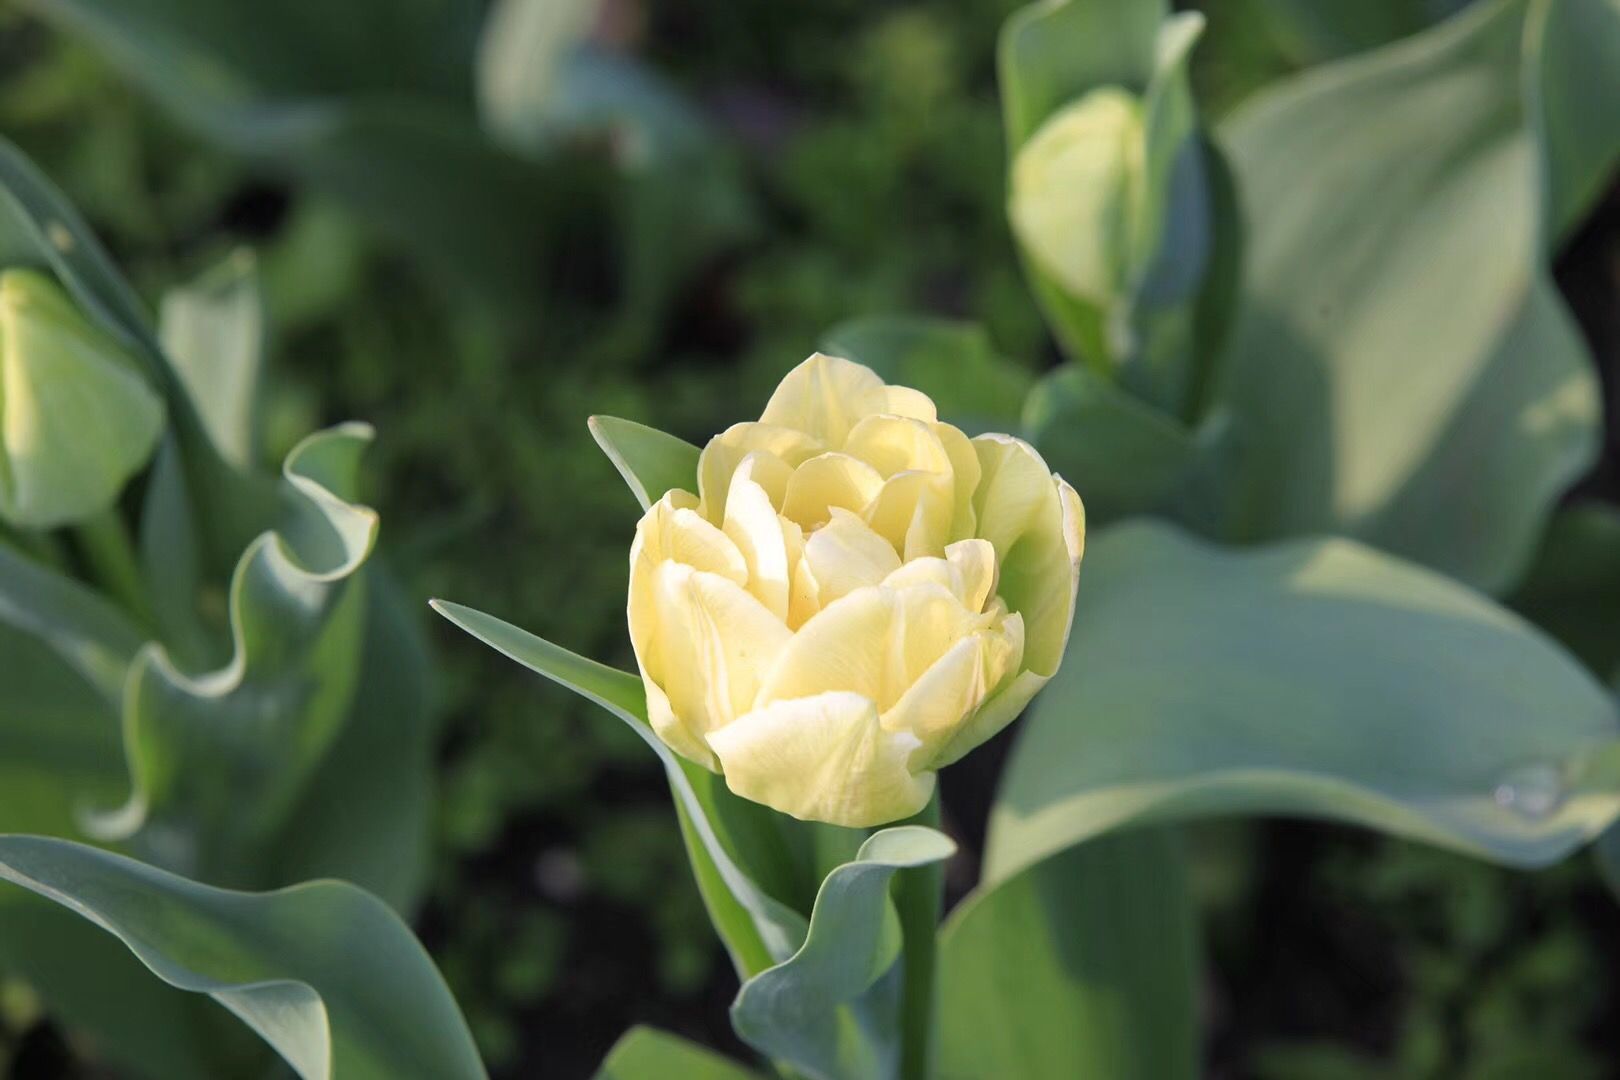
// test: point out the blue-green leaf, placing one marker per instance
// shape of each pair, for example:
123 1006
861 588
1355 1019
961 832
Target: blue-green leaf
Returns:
645 1053
831 1010
213 333
1402 369
323 972
650 461
1084 966
757 928
1316 678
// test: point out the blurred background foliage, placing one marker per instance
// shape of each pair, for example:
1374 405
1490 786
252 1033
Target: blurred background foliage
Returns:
867 144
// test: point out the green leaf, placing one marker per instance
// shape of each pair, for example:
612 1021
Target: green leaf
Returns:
1313 32
650 461
1396 240
952 362
218 759
1316 678
213 332
366 814
323 972
832 1009
1573 92
65 653
1572 589
1081 966
757 928
645 1053
1122 454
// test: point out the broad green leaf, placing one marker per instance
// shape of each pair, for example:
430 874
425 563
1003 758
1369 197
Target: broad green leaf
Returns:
1316 678
1314 31
1122 454
1573 89
645 1053
213 332
758 929
650 461
79 419
106 1002
831 1010
218 759
1395 240
323 972
366 813
952 362
1572 589
1082 966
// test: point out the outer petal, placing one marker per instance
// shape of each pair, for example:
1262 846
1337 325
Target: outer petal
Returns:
823 758
1037 525
936 706
704 642
726 451
1001 709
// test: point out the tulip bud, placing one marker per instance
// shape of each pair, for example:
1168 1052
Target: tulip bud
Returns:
856 595
77 418
1077 191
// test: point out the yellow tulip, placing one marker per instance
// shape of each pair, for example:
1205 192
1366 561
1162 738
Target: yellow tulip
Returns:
1076 193
857 595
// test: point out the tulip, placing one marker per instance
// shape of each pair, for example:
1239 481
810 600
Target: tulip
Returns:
1077 190
856 595
77 418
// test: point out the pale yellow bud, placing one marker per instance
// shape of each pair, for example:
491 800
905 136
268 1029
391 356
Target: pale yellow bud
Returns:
77 418
1076 193
857 595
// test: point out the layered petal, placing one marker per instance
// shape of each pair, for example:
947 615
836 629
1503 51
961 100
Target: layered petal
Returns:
826 396
825 757
1037 525
726 451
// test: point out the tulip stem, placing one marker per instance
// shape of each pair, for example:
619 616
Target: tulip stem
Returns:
919 897
104 542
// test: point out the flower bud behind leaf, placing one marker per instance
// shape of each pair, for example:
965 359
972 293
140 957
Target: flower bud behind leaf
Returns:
77 418
1077 191
856 595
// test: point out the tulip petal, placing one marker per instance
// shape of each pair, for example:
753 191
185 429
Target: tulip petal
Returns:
874 641
704 643
839 558
1037 525
996 713
955 687
893 444
828 481
823 758
965 474
827 396
769 544
726 451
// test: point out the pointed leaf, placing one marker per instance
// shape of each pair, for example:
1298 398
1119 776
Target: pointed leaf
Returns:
758 929
1316 678
323 972
650 461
